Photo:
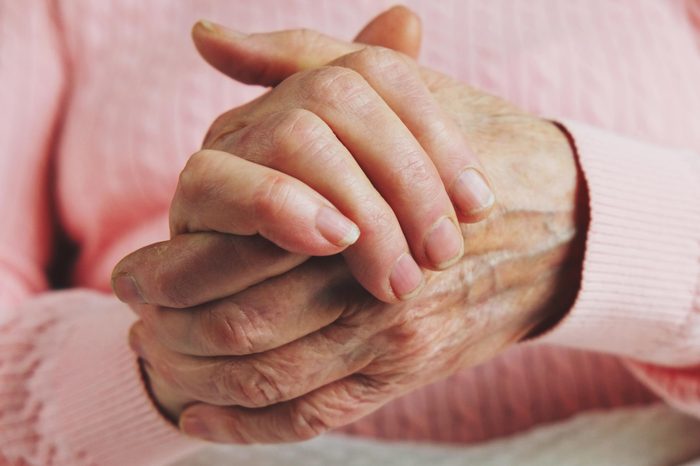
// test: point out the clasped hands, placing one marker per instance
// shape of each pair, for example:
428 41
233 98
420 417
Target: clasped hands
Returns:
324 257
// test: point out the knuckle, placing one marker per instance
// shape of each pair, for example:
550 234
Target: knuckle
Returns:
295 127
245 141
215 129
229 333
226 384
439 135
337 86
406 334
378 61
308 421
414 174
193 179
257 388
380 222
368 389
303 134
226 123
407 342
273 196
277 137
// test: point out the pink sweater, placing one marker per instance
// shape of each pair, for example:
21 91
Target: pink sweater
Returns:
102 102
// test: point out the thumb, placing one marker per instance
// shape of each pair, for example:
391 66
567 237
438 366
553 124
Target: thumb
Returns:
269 58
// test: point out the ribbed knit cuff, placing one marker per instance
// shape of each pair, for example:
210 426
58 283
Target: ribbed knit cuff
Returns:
98 405
642 260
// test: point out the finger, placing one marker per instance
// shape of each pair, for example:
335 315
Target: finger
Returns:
398 81
387 152
291 142
265 59
266 316
257 200
256 380
395 78
268 59
283 53
398 29
170 401
334 405
194 268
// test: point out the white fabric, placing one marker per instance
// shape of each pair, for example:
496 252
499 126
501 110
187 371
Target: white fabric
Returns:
647 436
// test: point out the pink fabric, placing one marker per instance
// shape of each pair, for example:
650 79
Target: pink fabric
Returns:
102 102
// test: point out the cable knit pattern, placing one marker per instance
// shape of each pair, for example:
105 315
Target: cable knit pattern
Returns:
102 102
51 387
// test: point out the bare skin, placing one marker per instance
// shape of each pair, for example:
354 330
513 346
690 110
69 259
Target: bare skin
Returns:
267 346
384 156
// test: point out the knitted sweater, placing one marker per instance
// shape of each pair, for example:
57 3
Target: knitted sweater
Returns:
102 102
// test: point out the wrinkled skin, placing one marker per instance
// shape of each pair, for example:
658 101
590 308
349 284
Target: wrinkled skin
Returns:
308 350
362 133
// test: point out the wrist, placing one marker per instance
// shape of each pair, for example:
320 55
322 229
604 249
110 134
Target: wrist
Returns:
567 276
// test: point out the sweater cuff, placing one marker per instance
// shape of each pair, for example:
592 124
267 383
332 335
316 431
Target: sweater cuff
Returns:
642 261
98 402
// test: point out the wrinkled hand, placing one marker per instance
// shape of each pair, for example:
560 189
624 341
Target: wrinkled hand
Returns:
359 142
307 349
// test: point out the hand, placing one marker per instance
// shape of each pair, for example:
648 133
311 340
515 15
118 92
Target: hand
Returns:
308 350
316 352
359 142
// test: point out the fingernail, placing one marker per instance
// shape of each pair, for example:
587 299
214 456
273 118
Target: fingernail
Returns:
217 28
194 426
471 192
335 227
126 289
406 278
209 26
444 244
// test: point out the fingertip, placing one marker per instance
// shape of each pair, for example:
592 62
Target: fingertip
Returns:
211 423
397 28
406 278
126 289
326 234
201 30
472 194
351 238
204 26
476 216
336 228
195 426
222 48
119 269
411 21
443 244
